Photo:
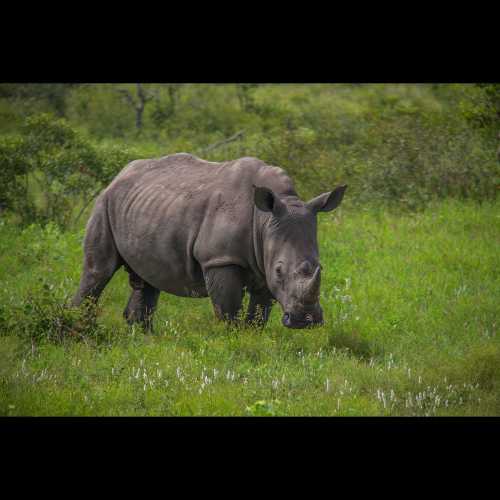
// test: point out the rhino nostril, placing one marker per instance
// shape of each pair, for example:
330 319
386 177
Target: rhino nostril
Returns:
309 318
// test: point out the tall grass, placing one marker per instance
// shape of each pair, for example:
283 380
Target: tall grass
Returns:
411 328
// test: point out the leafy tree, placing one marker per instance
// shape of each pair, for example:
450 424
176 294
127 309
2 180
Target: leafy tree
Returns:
13 181
49 166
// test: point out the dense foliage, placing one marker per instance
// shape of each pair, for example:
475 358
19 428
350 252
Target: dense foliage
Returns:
49 166
395 145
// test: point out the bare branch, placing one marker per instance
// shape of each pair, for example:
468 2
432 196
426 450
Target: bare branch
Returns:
143 95
138 102
225 141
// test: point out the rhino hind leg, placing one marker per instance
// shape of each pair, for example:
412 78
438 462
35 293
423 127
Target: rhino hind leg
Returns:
101 258
142 302
225 288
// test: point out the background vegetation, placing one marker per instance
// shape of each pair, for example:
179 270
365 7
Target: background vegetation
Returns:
411 259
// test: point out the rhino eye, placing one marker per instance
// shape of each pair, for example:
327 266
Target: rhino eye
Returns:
278 272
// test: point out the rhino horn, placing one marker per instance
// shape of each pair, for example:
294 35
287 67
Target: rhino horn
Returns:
311 288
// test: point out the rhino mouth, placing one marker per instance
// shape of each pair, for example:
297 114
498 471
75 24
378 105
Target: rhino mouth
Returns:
307 320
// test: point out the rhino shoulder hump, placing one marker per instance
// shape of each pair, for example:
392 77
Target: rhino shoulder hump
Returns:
252 160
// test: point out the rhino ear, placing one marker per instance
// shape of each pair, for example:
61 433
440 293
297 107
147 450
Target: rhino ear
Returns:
327 201
267 201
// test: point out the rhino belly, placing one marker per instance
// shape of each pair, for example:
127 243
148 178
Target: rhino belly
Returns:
167 275
161 256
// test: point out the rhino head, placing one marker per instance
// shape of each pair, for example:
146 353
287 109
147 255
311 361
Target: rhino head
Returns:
290 252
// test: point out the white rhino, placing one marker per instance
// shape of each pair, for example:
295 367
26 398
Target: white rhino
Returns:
194 228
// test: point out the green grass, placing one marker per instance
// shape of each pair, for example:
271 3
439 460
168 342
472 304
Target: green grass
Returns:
411 306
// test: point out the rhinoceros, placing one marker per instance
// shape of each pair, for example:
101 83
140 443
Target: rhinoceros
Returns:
195 228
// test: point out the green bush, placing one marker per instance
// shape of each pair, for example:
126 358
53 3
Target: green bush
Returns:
49 166
45 316
414 163
13 169
480 105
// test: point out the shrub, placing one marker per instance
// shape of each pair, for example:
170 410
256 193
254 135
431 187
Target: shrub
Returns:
414 163
45 316
50 165
13 170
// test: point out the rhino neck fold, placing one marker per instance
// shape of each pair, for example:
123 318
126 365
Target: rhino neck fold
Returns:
259 223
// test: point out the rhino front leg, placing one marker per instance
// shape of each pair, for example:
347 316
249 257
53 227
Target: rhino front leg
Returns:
259 308
142 302
225 288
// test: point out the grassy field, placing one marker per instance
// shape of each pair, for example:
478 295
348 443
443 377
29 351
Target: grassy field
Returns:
411 305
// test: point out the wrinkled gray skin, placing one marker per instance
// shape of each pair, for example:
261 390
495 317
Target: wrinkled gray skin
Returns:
195 228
